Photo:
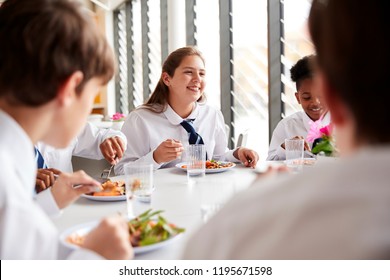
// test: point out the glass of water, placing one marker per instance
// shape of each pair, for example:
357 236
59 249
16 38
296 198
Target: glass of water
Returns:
139 184
196 162
294 153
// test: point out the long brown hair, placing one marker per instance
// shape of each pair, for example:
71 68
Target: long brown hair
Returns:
158 101
352 43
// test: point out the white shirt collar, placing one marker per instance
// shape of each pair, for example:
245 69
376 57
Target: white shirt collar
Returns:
175 119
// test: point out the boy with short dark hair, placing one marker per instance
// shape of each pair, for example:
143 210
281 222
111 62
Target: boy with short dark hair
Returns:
297 125
53 62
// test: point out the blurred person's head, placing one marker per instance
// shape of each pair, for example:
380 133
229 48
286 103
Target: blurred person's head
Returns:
52 56
179 75
307 94
352 44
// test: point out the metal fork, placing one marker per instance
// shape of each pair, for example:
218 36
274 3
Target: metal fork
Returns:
106 173
109 171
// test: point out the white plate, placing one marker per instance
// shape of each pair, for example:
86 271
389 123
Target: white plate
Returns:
216 170
307 161
87 227
262 166
105 198
108 198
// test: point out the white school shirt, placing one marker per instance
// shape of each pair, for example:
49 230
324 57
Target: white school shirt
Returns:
146 130
297 124
26 231
85 145
334 210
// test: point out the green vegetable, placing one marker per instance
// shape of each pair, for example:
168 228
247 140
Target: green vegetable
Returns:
146 229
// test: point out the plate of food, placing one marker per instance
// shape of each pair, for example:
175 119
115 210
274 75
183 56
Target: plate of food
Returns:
112 191
309 161
148 232
305 161
212 166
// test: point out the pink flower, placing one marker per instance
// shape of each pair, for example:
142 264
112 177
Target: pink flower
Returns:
118 117
326 130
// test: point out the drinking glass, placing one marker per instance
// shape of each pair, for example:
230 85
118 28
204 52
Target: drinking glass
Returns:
294 154
196 162
139 184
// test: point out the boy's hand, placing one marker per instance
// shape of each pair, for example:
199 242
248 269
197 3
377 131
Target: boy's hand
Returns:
247 156
112 149
69 186
306 146
45 178
110 239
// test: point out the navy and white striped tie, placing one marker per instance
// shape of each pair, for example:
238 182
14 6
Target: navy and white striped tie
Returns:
39 159
194 137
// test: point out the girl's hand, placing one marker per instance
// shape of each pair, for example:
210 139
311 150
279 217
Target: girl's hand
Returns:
167 151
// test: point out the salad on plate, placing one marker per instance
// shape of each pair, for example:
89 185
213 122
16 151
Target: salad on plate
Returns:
147 231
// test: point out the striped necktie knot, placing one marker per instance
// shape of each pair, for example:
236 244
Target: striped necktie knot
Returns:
194 137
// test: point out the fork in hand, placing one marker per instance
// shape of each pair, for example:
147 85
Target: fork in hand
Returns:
107 172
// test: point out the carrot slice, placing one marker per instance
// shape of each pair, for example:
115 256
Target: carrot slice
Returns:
106 194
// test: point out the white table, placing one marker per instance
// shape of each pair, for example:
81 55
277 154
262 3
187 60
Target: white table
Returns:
185 205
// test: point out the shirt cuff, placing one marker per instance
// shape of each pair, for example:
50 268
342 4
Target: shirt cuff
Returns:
115 134
48 204
149 158
229 156
111 135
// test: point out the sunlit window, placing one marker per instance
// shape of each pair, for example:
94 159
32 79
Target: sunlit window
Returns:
248 98
297 44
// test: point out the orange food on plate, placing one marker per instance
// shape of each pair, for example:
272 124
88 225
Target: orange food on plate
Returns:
111 189
102 193
309 161
212 164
